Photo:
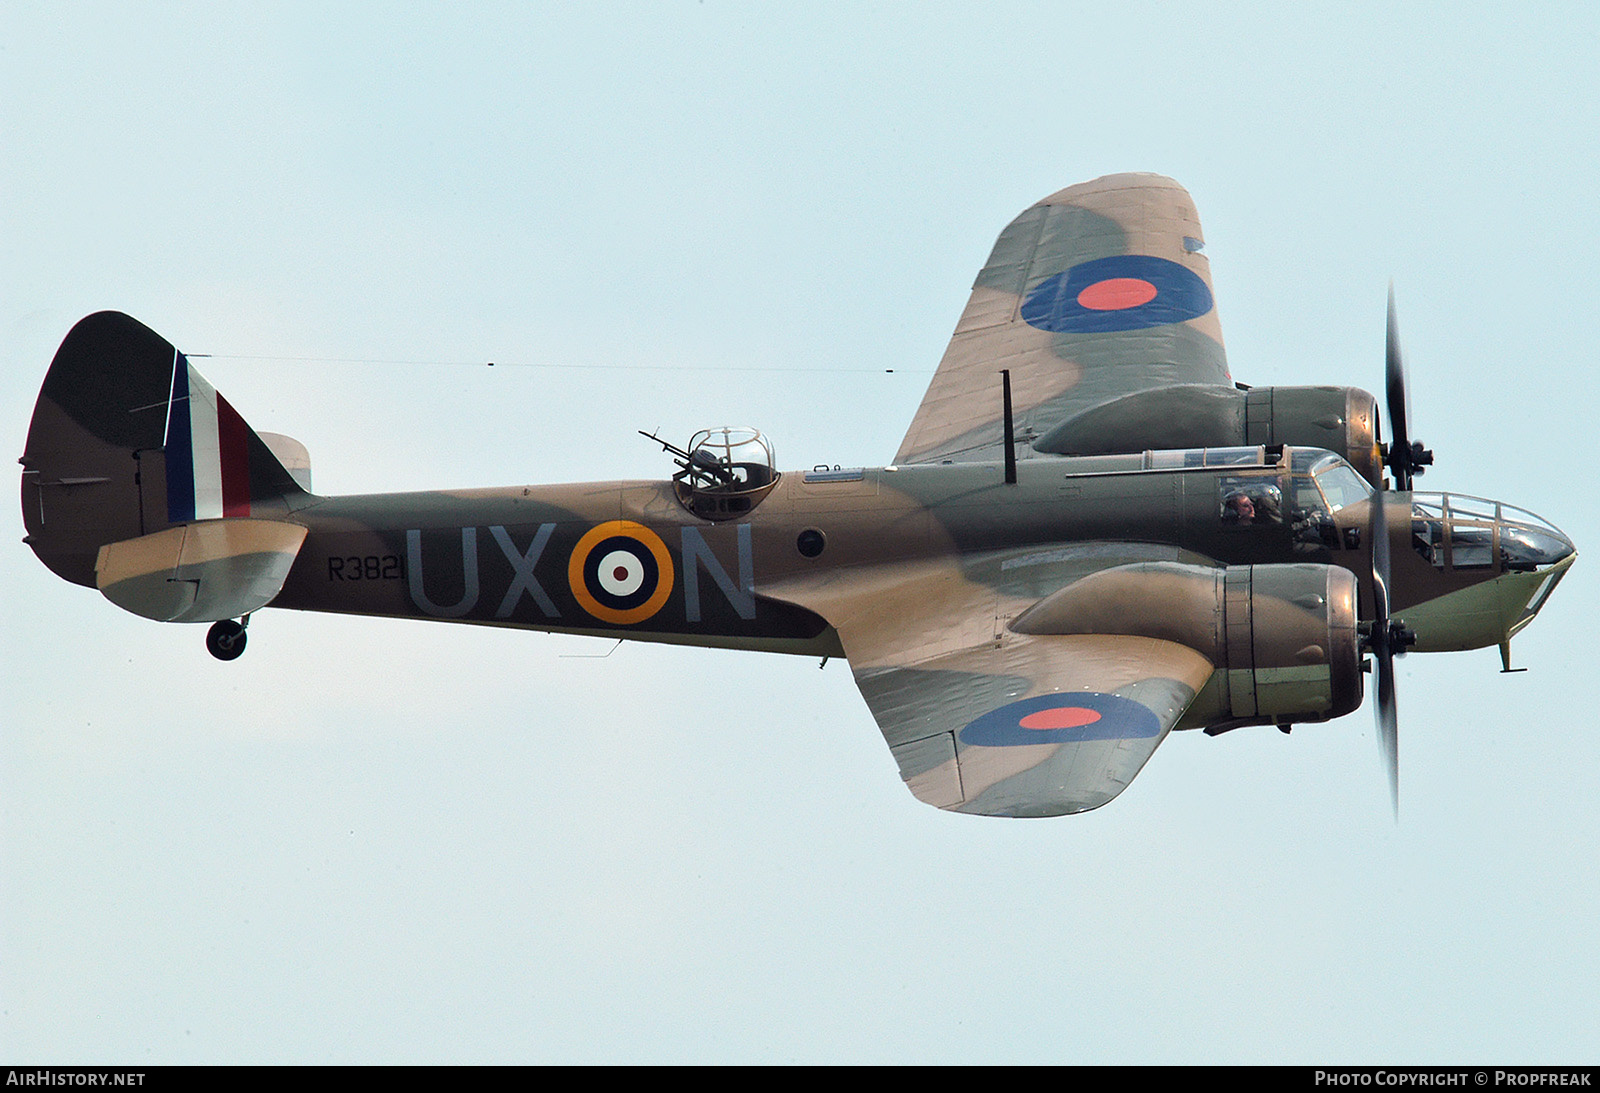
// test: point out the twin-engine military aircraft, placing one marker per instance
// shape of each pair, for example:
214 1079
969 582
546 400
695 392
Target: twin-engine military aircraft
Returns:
1090 536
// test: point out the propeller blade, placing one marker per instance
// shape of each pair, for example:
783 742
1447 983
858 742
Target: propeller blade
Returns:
1388 721
1399 402
1407 457
1382 640
1380 559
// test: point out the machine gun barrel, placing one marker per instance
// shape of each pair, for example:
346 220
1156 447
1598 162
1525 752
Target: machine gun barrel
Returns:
673 448
702 463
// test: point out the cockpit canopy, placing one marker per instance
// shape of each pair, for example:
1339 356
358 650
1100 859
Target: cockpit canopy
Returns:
724 472
1257 490
1337 482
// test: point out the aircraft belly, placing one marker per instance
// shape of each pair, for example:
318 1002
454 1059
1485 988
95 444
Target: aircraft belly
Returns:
1482 614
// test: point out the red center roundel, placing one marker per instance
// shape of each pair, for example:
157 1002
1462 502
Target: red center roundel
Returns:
1070 718
1117 294
1060 717
621 573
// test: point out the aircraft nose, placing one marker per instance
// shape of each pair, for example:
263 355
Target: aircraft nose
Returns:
1528 547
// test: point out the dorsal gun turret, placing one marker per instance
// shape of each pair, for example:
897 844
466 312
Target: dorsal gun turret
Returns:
724 472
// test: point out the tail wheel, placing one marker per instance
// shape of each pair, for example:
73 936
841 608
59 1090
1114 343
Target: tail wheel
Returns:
226 639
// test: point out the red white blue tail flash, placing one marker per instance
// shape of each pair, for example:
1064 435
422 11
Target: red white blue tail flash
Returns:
207 448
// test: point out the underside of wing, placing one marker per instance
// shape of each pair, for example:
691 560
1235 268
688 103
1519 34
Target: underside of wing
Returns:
1042 726
985 720
1097 292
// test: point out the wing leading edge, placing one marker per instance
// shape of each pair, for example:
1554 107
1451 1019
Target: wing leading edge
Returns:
1095 292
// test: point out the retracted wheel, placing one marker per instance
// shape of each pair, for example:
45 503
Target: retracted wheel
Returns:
226 639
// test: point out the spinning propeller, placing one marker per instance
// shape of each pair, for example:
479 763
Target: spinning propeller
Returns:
1385 638
1405 457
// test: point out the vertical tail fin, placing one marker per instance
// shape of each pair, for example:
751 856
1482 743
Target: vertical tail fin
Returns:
127 439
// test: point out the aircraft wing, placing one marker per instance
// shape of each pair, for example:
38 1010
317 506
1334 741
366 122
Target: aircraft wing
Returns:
1098 291
984 720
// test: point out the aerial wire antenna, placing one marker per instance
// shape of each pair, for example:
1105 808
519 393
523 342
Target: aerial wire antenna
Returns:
591 656
1011 448
604 367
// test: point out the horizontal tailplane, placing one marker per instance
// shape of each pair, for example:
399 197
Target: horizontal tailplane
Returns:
202 572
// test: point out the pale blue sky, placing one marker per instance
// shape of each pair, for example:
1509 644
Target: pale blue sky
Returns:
385 841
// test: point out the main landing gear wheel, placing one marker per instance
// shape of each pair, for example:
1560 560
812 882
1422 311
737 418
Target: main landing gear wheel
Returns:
226 639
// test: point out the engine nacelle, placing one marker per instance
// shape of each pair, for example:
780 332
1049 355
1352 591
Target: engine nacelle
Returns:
1282 637
1204 415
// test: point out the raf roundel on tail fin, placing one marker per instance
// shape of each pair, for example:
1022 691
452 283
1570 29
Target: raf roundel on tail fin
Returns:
128 439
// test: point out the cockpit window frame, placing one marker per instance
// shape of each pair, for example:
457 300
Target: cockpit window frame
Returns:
1456 525
1340 485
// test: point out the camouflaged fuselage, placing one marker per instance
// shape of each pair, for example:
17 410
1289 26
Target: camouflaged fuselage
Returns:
510 556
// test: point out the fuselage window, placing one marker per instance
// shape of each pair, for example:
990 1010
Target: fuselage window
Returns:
1427 535
1458 532
1471 545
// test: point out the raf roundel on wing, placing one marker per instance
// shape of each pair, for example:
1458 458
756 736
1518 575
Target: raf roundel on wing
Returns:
1067 718
1122 292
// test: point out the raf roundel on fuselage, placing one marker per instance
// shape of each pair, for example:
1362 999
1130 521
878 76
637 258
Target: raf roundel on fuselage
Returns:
1122 292
621 572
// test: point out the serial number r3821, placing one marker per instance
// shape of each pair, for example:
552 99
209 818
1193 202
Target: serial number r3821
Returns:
370 567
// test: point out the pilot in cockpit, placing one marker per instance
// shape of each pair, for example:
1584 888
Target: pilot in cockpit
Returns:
1237 508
